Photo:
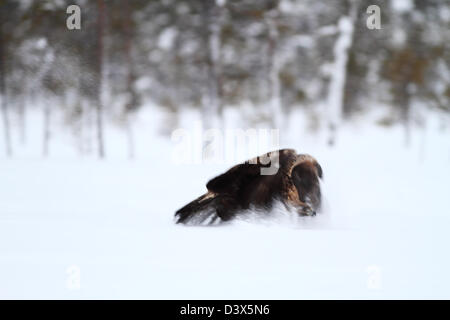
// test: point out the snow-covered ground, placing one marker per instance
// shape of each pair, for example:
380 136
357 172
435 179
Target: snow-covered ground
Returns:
74 227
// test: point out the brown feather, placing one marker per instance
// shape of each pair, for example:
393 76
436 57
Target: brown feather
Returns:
296 184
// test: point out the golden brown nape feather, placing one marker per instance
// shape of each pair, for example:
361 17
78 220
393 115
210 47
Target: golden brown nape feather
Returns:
279 175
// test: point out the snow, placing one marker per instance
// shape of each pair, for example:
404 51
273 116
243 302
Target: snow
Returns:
221 3
402 5
167 38
74 227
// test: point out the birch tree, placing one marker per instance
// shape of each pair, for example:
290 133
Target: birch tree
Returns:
212 104
100 76
46 66
3 97
335 99
271 18
131 104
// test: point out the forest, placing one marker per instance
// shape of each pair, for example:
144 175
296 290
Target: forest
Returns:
264 59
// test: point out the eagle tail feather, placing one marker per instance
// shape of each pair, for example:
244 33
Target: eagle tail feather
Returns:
199 211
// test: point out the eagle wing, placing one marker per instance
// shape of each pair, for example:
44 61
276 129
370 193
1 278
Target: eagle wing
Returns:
294 181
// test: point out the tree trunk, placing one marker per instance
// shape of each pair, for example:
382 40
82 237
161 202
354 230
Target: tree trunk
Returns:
131 104
212 105
274 69
88 121
130 137
6 126
405 106
341 50
46 140
175 93
99 102
22 120
3 97
48 60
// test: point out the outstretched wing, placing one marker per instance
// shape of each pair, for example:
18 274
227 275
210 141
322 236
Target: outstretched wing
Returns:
241 186
223 198
251 182
232 181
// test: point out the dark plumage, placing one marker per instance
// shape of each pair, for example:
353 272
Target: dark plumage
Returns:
295 184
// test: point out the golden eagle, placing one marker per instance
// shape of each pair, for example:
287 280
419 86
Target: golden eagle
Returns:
280 175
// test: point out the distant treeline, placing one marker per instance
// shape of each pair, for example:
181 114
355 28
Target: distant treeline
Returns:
207 54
